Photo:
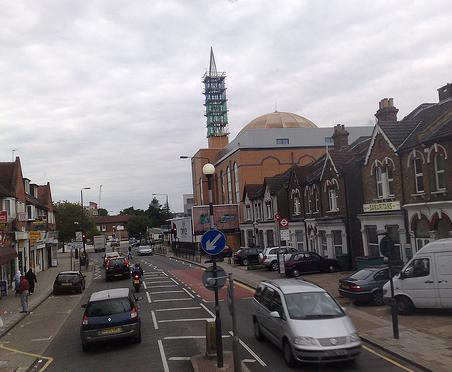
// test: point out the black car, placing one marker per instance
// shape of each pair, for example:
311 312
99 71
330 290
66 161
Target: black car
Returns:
110 315
117 267
69 282
365 285
247 256
304 262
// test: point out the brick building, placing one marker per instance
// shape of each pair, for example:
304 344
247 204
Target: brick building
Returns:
113 226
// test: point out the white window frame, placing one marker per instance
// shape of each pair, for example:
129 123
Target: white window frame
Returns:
248 212
379 182
237 183
317 200
418 175
332 200
439 171
30 212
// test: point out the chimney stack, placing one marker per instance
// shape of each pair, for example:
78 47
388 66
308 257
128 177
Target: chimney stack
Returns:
445 92
387 111
340 137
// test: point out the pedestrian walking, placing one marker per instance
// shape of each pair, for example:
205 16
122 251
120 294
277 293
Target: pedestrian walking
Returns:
17 281
24 287
129 255
31 277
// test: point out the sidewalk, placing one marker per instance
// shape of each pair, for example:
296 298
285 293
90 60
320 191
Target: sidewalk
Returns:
10 306
429 350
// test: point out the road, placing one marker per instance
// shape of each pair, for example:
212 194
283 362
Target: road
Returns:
174 307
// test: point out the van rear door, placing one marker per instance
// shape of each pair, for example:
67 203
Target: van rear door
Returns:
444 275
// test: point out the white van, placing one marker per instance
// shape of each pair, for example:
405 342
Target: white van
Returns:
426 280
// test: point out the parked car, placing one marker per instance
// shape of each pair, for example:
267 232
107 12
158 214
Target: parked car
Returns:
426 280
69 282
145 250
269 256
110 255
303 262
304 321
110 315
247 256
365 285
117 267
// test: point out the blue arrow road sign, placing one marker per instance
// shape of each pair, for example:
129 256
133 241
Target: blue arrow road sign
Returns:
213 242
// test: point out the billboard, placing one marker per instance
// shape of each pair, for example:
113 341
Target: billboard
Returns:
183 229
225 218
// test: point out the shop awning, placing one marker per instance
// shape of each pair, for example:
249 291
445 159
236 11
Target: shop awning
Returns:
7 253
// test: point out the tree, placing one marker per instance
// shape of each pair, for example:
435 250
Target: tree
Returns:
158 214
137 225
102 212
131 211
68 218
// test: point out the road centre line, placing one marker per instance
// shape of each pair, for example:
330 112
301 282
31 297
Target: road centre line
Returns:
154 320
206 309
163 356
387 359
174 299
161 292
149 297
180 308
42 339
255 356
189 337
179 358
188 293
183 320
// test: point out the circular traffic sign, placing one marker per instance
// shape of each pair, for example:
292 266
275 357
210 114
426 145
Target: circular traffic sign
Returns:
213 242
386 246
209 281
284 222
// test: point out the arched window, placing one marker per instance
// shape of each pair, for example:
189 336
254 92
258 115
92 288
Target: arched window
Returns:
418 174
228 176
440 164
201 191
237 184
222 187
317 199
422 233
384 178
296 203
332 199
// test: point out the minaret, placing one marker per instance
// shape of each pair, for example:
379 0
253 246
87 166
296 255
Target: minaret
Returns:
216 107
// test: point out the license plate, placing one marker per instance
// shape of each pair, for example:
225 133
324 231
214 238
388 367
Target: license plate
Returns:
66 284
339 352
136 281
111 331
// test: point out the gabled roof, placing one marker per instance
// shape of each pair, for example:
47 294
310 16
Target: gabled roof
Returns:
112 219
275 183
32 200
45 195
254 191
7 178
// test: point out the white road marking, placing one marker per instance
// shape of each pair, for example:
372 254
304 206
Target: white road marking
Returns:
248 361
158 281
149 297
261 362
174 299
188 337
154 320
183 320
187 292
174 281
164 273
160 292
164 286
179 358
42 339
180 308
163 356
206 309
144 285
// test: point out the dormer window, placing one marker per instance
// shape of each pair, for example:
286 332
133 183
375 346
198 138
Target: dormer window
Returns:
27 186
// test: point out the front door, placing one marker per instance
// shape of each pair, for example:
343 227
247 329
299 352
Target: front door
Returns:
444 275
419 282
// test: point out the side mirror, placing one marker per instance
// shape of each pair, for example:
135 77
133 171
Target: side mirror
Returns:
83 306
343 308
274 314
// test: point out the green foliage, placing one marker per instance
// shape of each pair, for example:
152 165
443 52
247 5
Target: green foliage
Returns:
69 218
102 212
156 214
131 211
137 225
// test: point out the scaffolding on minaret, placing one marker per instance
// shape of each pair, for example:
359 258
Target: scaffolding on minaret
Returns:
215 100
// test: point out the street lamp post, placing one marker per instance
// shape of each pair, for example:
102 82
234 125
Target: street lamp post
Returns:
83 216
208 170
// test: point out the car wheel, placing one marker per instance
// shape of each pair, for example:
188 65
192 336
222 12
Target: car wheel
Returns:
246 262
404 305
332 268
296 272
257 331
275 266
288 355
377 298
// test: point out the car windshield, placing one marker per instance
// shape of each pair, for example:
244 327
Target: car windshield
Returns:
109 307
361 275
67 277
312 305
117 261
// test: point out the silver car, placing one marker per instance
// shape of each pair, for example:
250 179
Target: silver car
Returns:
304 321
145 250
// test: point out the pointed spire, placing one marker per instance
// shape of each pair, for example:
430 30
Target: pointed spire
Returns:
213 66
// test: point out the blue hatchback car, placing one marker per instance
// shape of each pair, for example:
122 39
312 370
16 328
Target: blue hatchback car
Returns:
110 315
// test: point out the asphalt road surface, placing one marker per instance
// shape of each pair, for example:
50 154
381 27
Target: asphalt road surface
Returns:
174 307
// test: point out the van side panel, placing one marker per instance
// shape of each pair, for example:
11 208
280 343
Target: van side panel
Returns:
444 278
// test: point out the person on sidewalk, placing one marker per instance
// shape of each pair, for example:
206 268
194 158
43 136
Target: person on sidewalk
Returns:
31 277
17 281
24 287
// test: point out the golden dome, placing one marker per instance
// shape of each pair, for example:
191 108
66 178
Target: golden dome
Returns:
279 120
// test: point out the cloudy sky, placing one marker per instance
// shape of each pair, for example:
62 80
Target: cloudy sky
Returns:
109 92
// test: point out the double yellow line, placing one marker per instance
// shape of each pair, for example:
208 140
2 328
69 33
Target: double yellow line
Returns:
49 359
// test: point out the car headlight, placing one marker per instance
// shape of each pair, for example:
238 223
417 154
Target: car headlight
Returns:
305 341
353 337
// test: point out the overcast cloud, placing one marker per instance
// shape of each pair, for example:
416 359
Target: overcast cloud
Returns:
109 92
